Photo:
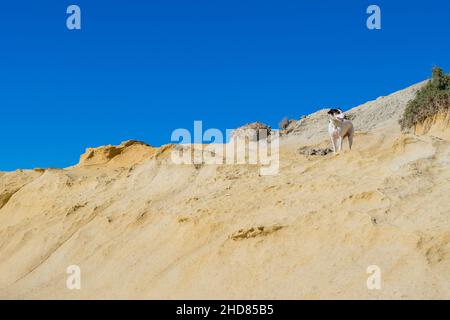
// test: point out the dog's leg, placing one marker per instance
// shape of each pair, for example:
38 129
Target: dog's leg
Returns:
350 140
341 139
333 143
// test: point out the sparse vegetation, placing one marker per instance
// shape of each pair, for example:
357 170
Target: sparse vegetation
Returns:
434 97
284 123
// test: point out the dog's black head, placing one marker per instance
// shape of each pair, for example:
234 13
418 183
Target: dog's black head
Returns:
333 112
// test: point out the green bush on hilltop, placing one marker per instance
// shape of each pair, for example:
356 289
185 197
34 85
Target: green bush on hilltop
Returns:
431 99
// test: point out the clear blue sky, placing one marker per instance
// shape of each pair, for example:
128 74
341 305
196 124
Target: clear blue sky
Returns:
140 69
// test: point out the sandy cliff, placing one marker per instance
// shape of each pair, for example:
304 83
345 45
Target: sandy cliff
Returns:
140 226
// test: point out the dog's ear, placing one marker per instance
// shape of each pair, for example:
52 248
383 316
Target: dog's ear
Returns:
333 112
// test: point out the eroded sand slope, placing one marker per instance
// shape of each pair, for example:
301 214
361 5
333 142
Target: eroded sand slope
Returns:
140 226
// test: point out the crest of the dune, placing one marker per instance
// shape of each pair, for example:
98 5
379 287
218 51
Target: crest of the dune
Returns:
126 154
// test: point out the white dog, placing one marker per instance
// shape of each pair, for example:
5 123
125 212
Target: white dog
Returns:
339 127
